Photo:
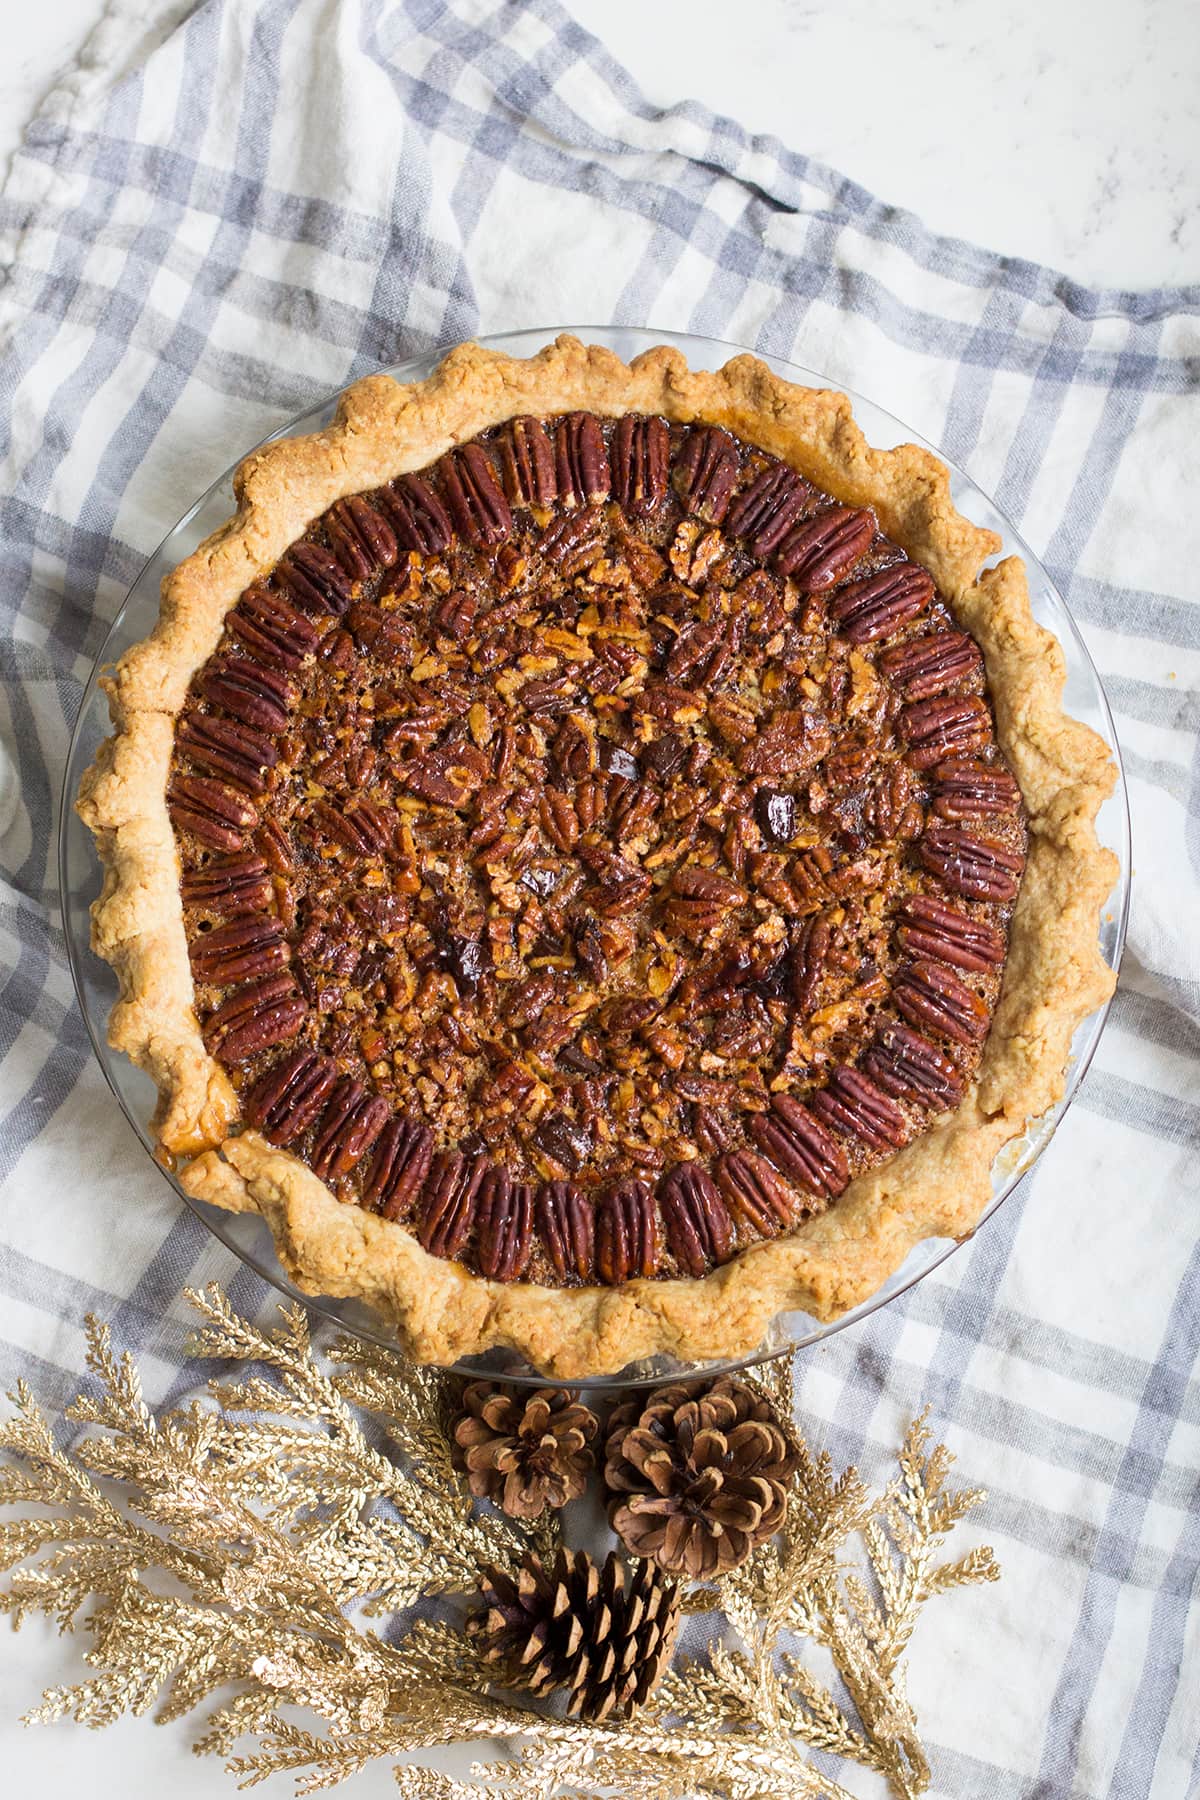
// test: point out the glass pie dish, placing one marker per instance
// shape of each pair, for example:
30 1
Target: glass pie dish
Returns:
97 987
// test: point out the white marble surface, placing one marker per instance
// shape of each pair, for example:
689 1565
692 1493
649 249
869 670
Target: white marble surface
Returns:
1067 132
1071 140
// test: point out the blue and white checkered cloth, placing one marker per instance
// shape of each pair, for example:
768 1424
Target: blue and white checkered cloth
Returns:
208 227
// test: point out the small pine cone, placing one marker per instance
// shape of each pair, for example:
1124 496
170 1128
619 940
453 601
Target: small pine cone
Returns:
525 1453
604 1637
697 1476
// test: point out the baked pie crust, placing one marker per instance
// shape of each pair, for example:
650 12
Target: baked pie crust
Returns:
937 1185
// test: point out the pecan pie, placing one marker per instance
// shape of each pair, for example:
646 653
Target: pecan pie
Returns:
593 860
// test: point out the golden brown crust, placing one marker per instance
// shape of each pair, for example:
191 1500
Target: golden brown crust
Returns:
937 1186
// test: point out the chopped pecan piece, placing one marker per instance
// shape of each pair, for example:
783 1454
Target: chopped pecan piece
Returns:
696 1220
271 629
258 697
705 472
928 927
927 666
527 464
952 725
243 755
820 551
927 994
362 539
475 498
797 1142
234 884
246 947
966 788
974 867
853 1104
352 1120
640 455
255 1018
622 885
908 1067
504 1233
398 1169
581 460
567 1223
755 1193
216 814
314 579
767 509
448 1201
875 605
626 1234
699 899
283 1103
420 520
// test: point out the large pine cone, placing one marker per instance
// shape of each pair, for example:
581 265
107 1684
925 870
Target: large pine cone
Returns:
525 1453
697 1476
604 1639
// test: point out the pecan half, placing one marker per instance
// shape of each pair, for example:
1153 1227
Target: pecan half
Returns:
973 867
575 540
893 807
244 948
475 498
640 455
581 460
379 633
243 755
712 1130
283 1103
626 1234
271 629
255 1018
705 471
852 1103
908 1067
849 763
504 1235
767 509
810 956
794 742
216 814
258 697
926 993
558 819
696 1220
527 464
820 551
418 516
699 899
234 884
928 927
314 579
966 788
799 1144
950 725
931 665
567 1224
362 539
755 1193
874 605
352 1120
398 1169
358 826
446 1210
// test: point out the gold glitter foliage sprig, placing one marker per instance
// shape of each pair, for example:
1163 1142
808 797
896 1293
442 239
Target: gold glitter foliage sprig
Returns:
230 1555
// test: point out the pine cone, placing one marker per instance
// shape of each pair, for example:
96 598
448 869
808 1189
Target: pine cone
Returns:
524 1453
579 1627
696 1476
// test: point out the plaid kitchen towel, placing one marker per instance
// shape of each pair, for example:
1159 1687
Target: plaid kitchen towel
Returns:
225 212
